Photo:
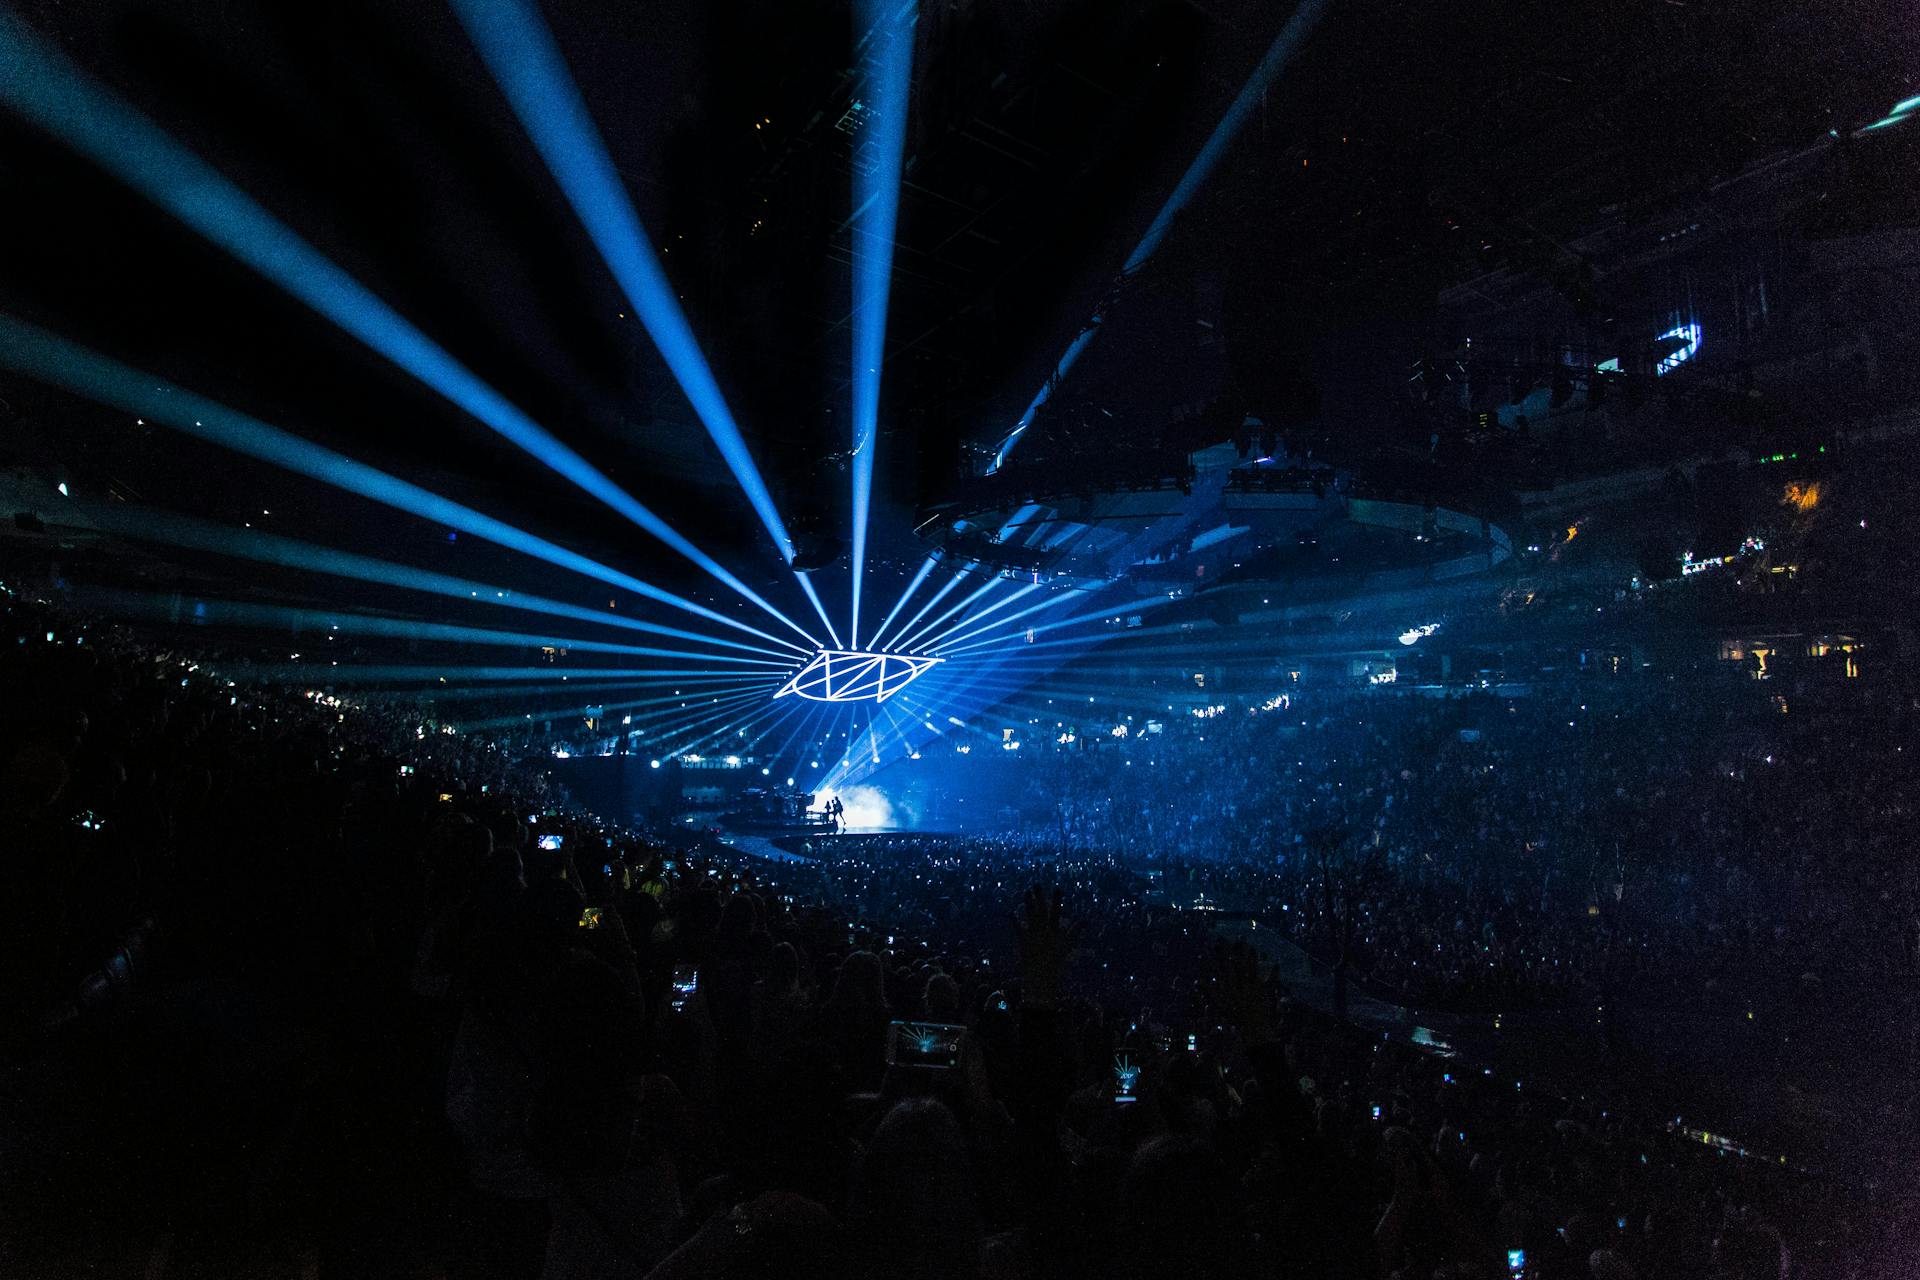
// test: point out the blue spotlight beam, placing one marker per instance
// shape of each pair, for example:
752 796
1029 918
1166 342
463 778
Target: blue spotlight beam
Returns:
597 701
803 728
934 641
1129 606
52 359
314 673
142 604
806 585
266 548
1050 602
580 710
1018 519
730 728
938 596
785 714
472 693
887 57
1278 55
526 62
685 736
664 723
39 83
913 641
926 567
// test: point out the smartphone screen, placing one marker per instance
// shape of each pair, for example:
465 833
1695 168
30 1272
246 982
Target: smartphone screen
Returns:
934 1045
1126 1079
686 981
590 917
551 841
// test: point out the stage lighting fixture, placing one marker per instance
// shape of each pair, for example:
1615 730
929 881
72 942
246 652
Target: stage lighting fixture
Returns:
814 552
848 675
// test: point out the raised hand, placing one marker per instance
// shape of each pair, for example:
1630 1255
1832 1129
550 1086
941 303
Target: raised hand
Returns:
1045 942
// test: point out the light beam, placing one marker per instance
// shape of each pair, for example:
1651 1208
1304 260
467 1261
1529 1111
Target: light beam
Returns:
52 359
265 548
926 567
526 62
38 82
1279 53
887 56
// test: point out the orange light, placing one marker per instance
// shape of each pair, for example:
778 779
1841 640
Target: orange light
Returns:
1801 497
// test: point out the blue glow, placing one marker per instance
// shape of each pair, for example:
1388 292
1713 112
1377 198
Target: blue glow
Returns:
266 548
47 89
1690 332
888 61
450 692
1903 106
842 675
54 360
934 642
911 641
395 673
1279 53
1050 602
926 567
527 63
658 724
806 585
1126 607
238 614
938 596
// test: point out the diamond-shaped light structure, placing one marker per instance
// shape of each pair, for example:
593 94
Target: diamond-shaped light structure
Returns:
849 675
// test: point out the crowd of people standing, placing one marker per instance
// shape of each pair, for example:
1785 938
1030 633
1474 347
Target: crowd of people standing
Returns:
299 987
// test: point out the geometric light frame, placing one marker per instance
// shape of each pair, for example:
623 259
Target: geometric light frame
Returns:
851 675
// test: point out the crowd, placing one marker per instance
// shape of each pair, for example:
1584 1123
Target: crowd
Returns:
1678 832
297 987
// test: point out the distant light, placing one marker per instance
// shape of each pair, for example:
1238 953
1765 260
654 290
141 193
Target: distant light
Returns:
1690 332
62 486
653 764
1415 634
